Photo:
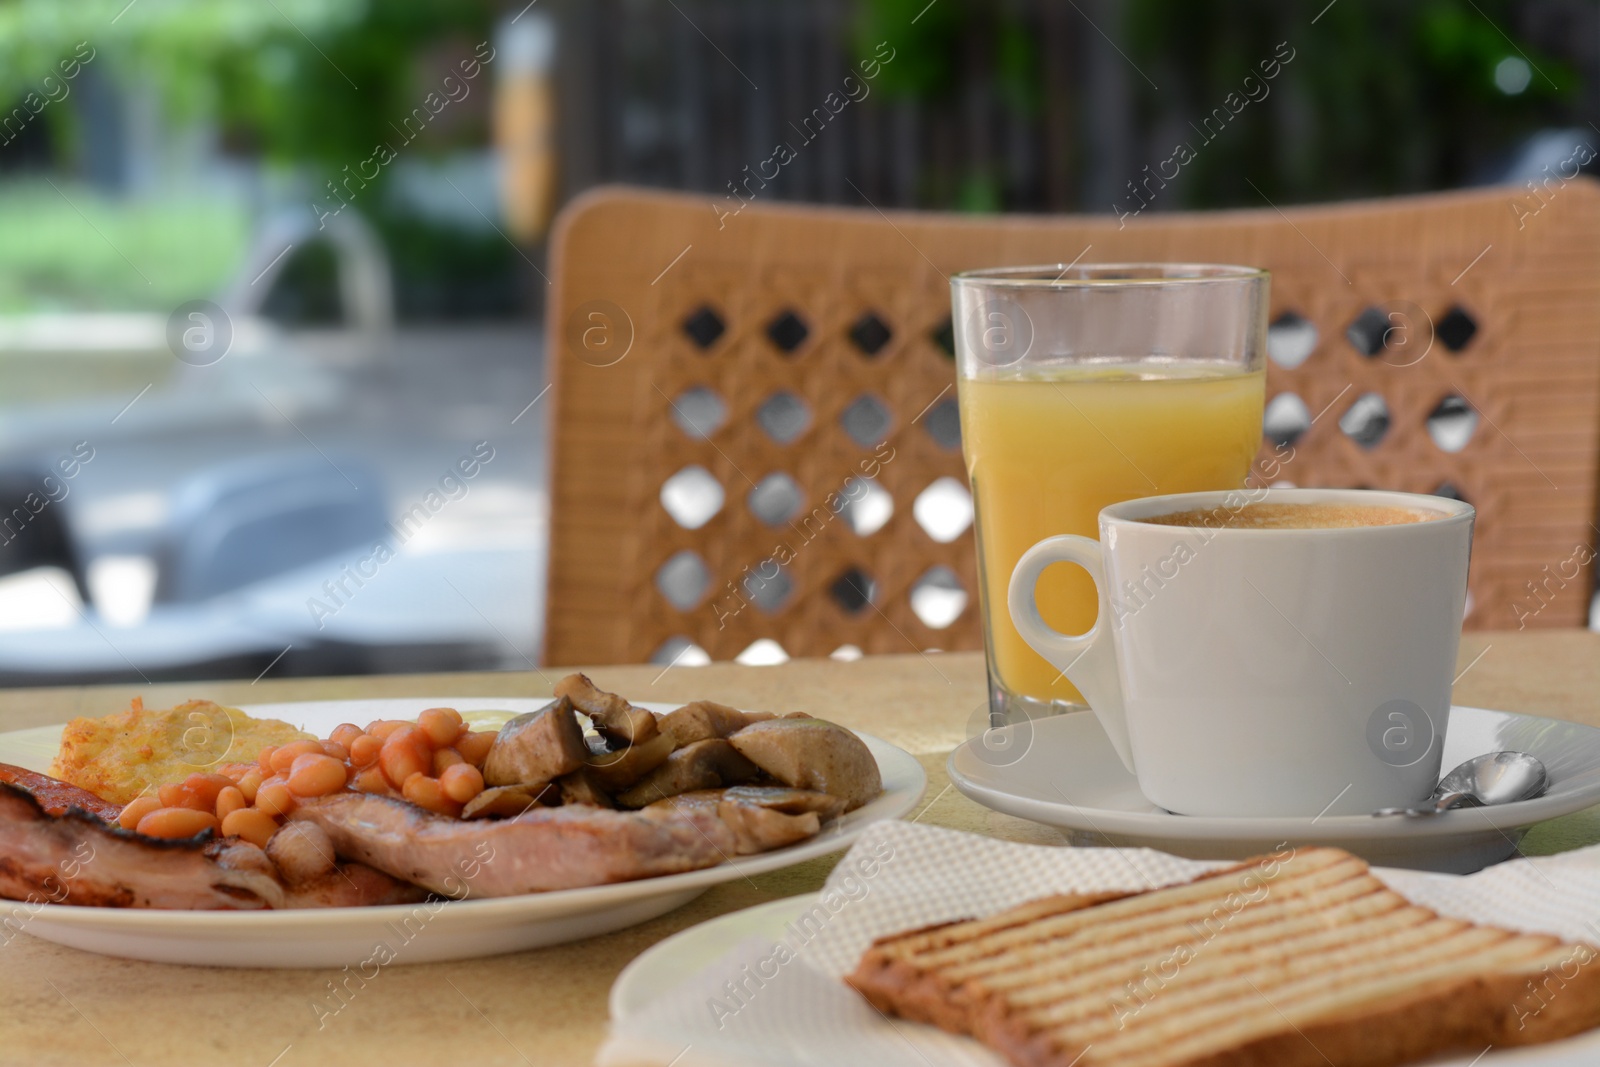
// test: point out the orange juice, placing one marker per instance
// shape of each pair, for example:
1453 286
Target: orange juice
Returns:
1048 449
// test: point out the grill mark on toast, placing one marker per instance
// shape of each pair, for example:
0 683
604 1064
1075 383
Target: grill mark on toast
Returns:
1326 960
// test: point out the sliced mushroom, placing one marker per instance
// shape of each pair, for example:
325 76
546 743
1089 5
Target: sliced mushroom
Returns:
616 771
537 747
302 852
756 827
616 719
701 765
579 787
789 801
505 801
808 753
706 719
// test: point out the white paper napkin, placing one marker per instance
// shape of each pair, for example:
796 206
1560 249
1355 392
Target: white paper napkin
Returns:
782 1004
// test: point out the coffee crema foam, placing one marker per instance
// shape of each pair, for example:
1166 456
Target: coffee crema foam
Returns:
1310 516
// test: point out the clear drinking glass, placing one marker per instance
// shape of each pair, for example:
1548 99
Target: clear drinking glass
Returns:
1082 386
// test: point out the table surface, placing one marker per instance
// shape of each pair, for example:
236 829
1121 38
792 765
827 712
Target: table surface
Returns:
548 1006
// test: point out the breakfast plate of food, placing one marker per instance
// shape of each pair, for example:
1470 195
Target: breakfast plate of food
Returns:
287 835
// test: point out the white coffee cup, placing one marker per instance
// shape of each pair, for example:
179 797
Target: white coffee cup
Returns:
1266 672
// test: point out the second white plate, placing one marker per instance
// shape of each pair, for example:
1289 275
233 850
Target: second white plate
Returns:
416 933
662 968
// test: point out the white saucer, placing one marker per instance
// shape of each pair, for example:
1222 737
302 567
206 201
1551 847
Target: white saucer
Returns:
661 969
415 933
1061 770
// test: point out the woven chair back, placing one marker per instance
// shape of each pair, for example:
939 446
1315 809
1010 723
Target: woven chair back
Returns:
755 422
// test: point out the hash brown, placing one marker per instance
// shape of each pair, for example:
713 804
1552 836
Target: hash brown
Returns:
122 755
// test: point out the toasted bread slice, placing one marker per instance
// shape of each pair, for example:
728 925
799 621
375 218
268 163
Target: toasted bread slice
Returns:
1299 959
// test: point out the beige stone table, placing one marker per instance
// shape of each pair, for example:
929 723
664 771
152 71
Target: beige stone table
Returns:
548 1006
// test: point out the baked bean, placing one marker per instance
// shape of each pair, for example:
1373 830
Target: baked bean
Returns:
229 801
445 757
364 750
441 725
372 780
405 752
315 775
136 809
274 797
250 783
234 771
461 782
382 728
425 792
173 795
264 760
284 757
336 750
250 824
345 733
474 746
207 786
177 823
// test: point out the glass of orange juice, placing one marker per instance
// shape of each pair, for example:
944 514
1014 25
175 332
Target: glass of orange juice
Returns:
1082 386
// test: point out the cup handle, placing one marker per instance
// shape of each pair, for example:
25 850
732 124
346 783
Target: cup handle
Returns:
1088 659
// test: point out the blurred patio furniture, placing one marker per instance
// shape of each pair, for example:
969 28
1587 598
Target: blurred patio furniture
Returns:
32 530
366 290
118 375
240 522
723 369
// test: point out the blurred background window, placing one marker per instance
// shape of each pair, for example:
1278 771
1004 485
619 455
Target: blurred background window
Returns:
272 275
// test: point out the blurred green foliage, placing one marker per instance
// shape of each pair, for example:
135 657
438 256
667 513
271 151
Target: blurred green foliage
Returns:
307 87
61 255
1382 96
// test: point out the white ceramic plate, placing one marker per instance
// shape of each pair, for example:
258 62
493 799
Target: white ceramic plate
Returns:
416 933
1062 771
662 968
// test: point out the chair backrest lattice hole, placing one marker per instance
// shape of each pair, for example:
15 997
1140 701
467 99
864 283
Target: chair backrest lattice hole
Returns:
783 417
683 579
943 424
704 326
866 420
776 499
1366 421
865 506
788 331
692 496
680 651
762 652
943 510
1285 419
846 653
853 591
1291 339
699 412
938 598
869 334
1368 330
1518 334
768 586
1452 423
1455 329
